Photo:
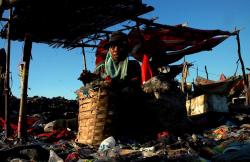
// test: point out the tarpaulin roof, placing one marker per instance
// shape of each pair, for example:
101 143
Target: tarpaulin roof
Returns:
66 22
168 44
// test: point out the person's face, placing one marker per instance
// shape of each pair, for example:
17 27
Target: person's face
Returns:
119 50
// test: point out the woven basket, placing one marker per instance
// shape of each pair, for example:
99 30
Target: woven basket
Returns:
95 117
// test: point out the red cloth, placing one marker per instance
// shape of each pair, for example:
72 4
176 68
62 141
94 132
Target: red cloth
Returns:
146 71
101 52
56 135
13 126
164 134
72 157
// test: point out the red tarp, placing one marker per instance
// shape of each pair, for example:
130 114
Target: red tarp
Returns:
166 45
170 43
177 40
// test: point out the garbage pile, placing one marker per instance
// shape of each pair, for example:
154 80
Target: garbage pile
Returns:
51 137
38 104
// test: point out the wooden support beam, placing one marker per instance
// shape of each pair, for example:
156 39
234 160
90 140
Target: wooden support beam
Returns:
206 71
24 77
7 80
84 59
2 75
248 91
197 71
246 86
184 77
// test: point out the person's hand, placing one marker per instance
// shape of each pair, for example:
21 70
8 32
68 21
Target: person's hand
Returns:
108 80
87 77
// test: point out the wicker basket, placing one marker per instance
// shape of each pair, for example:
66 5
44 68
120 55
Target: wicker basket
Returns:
95 117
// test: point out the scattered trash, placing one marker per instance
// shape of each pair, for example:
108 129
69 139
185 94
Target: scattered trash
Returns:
53 157
49 138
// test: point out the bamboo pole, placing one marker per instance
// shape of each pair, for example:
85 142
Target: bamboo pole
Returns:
243 69
23 99
7 79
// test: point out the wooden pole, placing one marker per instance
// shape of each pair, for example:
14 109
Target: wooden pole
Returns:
84 59
206 71
24 76
197 72
248 92
85 70
184 77
7 79
243 69
2 75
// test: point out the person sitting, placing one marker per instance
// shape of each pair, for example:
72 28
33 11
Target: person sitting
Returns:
117 69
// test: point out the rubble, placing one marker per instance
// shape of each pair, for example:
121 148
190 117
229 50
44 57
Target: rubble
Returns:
51 137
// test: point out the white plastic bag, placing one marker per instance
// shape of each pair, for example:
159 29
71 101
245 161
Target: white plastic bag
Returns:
107 144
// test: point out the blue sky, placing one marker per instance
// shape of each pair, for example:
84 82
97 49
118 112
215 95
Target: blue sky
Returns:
54 71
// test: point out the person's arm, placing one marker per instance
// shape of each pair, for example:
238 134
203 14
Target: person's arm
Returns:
87 77
134 72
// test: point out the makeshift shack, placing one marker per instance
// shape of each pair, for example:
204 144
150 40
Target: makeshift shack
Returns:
163 107
29 23
164 44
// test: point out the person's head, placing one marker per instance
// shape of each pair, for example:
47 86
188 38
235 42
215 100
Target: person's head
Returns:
118 46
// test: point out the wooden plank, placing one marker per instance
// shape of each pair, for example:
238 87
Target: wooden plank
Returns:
24 87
